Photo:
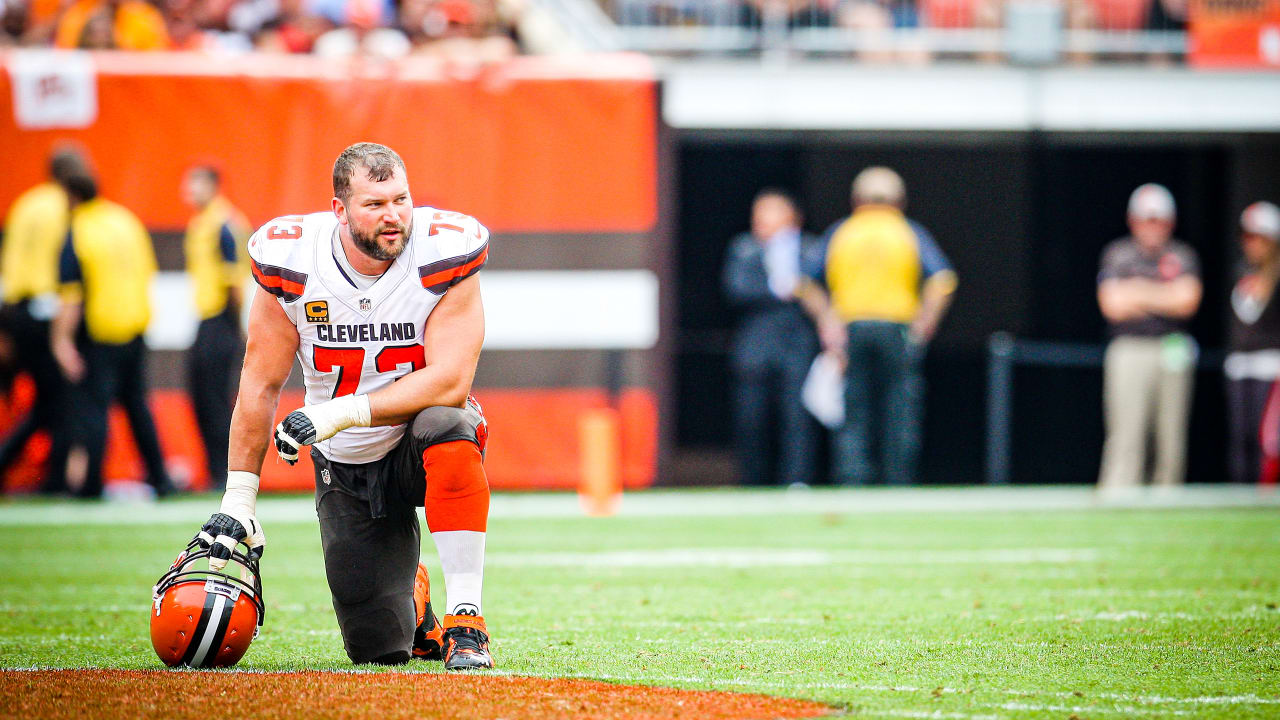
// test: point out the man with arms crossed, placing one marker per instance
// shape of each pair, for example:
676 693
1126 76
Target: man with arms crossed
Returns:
379 302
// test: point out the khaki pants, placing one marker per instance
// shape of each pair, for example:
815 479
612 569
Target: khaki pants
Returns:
1146 384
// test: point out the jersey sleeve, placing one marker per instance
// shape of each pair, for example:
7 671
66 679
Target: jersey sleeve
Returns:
816 269
934 265
463 243
271 250
227 243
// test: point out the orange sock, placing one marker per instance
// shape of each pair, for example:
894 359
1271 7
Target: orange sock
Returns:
457 490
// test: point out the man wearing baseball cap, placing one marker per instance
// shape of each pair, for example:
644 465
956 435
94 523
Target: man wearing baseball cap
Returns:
1253 351
1148 289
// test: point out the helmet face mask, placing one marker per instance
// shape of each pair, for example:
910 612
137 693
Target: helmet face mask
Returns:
205 618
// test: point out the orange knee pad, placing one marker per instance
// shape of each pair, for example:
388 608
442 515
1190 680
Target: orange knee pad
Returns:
457 490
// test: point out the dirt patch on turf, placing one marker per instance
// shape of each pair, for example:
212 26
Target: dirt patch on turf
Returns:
112 694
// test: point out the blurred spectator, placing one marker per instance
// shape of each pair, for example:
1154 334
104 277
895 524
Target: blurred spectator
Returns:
203 25
775 340
1148 289
1124 16
788 13
217 267
1253 351
105 272
13 22
360 29
103 24
290 27
28 23
33 237
890 286
458 31
873 21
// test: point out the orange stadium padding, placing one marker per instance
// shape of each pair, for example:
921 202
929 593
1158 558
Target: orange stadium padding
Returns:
533 440
1235 33
535 144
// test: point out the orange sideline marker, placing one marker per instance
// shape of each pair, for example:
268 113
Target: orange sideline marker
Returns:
600 484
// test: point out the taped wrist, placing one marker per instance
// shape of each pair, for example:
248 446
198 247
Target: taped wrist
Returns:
241 496
334 416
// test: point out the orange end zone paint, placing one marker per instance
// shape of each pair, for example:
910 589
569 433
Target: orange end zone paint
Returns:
177 695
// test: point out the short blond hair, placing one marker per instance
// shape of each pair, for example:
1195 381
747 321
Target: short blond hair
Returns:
879 185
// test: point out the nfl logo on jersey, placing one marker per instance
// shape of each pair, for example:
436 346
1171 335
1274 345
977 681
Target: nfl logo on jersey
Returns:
365 304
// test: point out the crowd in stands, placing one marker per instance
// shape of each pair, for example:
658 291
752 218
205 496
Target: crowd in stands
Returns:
485 30
493 30
1119 15
871 20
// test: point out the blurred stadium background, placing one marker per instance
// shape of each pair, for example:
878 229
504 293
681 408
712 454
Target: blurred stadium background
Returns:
614 147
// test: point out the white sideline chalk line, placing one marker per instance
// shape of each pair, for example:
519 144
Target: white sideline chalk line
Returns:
675 503
927 715
758 557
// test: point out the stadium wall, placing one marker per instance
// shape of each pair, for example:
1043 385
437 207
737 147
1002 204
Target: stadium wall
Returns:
558 158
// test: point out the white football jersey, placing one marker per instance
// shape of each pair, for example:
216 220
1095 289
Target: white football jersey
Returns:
353 340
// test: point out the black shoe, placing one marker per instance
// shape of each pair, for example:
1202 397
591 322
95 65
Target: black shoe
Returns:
164 488
466 643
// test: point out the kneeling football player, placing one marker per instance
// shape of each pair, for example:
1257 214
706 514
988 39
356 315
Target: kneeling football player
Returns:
380 304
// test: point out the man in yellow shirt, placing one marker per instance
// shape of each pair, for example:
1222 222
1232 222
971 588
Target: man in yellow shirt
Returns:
889 286
218 270
33 237
105 273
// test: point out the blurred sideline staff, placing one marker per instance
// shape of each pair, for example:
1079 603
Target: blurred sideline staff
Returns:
217 270
105 272
1148 289
34 234
889 287
775 340
1253 352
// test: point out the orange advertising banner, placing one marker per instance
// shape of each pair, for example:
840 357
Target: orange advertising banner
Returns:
533 145
1235 33
534 440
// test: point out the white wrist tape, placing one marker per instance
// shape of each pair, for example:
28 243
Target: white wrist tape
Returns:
331 417
241 496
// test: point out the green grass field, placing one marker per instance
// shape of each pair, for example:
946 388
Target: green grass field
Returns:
884 609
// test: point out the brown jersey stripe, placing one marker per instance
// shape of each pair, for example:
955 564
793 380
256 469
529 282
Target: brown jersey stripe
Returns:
444 274
281 282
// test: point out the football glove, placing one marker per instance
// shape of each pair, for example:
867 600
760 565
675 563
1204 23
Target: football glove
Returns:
314 423
234 522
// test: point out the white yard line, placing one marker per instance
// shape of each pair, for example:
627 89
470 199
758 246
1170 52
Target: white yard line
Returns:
1249 699
1085 709
675 503
796 557
927 715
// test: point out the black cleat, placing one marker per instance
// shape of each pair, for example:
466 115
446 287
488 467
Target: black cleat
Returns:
466 643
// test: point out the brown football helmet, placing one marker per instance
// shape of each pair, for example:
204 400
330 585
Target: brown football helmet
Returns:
203 618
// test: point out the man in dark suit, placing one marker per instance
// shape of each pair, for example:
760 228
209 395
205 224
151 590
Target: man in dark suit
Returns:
775 340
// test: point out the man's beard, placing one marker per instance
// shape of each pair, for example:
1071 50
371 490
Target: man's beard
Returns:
369 245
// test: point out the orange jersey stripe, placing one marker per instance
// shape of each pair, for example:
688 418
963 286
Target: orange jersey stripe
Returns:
451 275
272 280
